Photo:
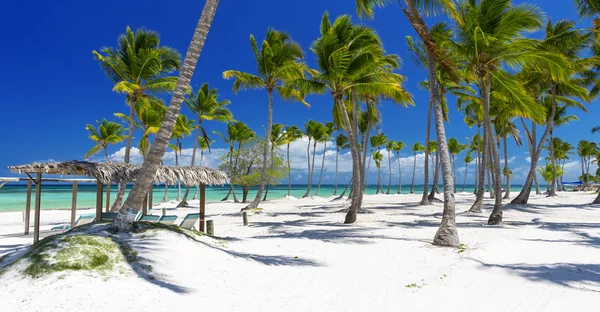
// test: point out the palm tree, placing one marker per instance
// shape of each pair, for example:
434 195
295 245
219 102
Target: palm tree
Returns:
547 172
327 130
468 159
183 128
108 132
586 150
277 139
278 64
454 148
378 158
341 142
312 131
389 146
292 133
504 23
147 172
376 142
504 128
416 148
432 147
138 66
397 148
230 137
206 105
150 116
203 145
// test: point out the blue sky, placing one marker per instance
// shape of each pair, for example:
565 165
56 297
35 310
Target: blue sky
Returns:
52 87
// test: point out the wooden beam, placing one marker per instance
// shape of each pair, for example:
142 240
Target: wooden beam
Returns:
38 199
28 207
202 205
74 205
31 178
150 197
108 197
99 191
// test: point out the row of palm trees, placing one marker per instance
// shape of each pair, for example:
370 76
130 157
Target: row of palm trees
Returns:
486 36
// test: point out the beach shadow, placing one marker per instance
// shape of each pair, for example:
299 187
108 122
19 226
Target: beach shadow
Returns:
585 277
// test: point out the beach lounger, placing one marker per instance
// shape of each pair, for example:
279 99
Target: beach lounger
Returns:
109 216
83 219
167 219
190 220
148 218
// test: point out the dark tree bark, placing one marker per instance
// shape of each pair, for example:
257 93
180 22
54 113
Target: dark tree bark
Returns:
263 171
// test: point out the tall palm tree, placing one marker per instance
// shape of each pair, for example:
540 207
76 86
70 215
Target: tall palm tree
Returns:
279 62
377 142
467 160
447 234
397 148
108 132
277 139
365 69
230 137
327 130
138 66
203 145
479 23
454 147
292 133
416 148
183 127
389 146
206 105
378 158
341 142
146 175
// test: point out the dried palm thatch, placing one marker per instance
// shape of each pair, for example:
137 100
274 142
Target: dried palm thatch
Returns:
126 173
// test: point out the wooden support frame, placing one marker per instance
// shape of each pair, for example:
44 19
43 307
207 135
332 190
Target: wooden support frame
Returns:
108 197
202 206
99 195
28 207
38 199
74 205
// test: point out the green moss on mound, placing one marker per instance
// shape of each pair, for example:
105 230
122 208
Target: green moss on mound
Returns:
74 253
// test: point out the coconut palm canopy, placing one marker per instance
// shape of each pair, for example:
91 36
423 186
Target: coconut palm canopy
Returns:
126 173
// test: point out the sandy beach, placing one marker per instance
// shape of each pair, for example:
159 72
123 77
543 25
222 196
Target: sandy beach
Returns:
297 255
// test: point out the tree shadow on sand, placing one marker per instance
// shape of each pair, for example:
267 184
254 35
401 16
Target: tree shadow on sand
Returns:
578 276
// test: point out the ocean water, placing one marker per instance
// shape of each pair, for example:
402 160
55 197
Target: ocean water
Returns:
58 196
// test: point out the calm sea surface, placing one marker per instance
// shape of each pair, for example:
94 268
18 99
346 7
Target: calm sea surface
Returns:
58 196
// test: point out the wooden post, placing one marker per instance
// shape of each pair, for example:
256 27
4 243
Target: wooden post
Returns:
38 199
74 204
28 207
108 197
99 191
202 205
210 227
245 218
150 197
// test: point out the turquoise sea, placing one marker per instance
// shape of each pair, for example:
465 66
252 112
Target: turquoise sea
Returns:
58 196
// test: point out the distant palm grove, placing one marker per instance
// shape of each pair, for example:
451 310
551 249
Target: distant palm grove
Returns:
482 53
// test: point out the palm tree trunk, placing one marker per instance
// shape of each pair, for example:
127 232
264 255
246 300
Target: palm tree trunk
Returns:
356 177
478 162
597 200
146 175
312 170
551 144
263 171
481 169
116 206
308 172
465 177
390 167
337 154
365 142
184 202
447 234
322 166
289 171
496 216
399 175
198 186
412 184
177 165
166 193
368 168
507 173
379 180
425 199
454 172
489 178
523 196
269 179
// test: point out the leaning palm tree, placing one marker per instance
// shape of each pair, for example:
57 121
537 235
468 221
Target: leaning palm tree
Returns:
108 132
341 142
352 61
279 62
147 173
447 234
206 105
397 148
313 130
138 66
416 148
326 136
292 133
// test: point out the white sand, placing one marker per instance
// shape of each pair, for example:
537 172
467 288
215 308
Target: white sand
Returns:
298 256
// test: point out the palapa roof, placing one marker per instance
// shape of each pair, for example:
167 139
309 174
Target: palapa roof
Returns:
126 173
